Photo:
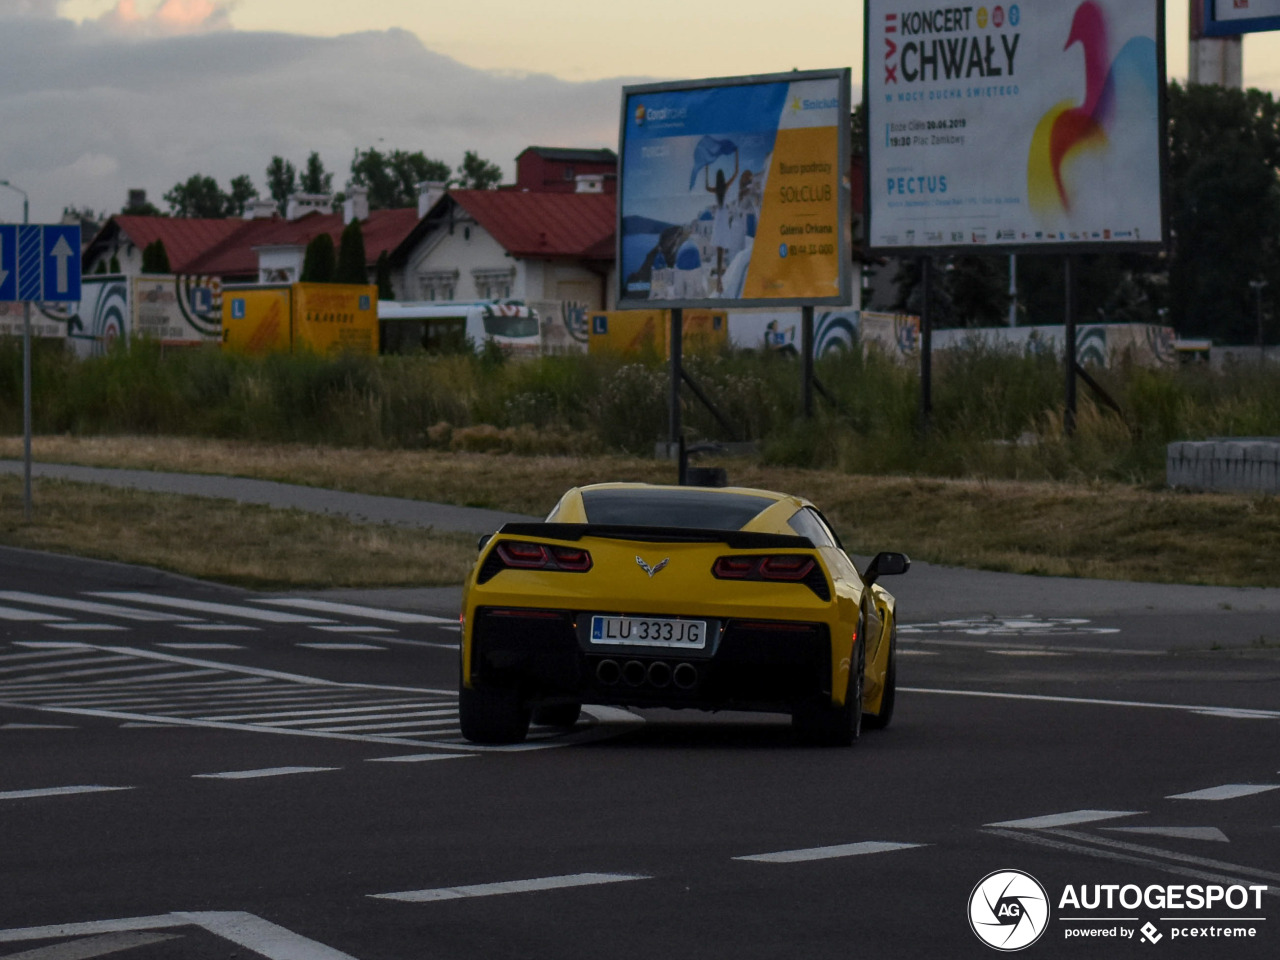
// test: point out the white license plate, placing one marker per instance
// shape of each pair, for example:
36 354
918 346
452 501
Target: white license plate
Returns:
649 632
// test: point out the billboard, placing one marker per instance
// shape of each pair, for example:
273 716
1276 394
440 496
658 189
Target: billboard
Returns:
735 192
177 310
1227 18
1035 127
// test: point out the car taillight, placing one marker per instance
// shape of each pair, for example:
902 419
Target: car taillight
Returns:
778 567
790 567
538 556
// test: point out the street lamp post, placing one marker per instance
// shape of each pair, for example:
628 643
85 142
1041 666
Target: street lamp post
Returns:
26 374
1257 286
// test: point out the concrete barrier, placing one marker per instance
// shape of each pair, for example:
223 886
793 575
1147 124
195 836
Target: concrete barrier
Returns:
1245 464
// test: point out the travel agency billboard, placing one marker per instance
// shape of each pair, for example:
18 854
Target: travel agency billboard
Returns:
735 192
1036 125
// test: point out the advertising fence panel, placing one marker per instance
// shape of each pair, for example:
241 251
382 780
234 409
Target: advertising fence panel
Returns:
177 310
1034 126
735 192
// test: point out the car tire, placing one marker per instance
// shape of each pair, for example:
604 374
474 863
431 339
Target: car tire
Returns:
829 726
557 715
492 715
878 721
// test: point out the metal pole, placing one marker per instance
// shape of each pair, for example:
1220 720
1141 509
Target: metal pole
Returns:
806 353
26 372
674 431
1069 414
1257 289
926 346
1013 289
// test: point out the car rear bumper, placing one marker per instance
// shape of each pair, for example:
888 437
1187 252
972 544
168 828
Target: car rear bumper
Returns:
749 664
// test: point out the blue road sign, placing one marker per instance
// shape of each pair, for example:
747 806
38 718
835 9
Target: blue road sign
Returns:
61 255
39 262
8 263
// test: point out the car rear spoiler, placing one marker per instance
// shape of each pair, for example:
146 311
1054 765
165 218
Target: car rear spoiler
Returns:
734 539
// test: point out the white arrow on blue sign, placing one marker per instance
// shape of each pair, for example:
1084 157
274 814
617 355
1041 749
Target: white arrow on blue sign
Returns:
39 262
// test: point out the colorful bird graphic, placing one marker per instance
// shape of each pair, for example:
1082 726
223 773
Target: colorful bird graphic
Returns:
1068 131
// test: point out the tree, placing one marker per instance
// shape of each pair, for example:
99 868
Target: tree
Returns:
318 262
352 267
155 258
392 178
242 191
382 277
476 173
200 196
282 181
315 179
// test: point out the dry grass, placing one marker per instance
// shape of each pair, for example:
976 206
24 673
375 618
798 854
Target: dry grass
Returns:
1102 530
220 540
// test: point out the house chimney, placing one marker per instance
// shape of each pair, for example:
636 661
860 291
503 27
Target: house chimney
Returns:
137 199
589 183
356 206
300 204
259 209
429 192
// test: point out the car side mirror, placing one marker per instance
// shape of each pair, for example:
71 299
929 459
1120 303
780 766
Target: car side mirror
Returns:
886 565
483 542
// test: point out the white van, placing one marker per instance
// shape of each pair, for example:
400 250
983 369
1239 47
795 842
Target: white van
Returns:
436 326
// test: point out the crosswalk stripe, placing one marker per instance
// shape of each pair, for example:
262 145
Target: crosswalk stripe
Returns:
410 718
13 613
338 647
205 606
295 714
40 654
268 772
355 628
1228 791
355 610
512 886
405 728
87 627
89 606
219 627
56 792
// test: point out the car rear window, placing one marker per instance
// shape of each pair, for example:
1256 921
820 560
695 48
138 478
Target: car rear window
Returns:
692 508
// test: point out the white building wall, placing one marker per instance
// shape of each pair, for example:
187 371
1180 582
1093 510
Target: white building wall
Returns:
463 250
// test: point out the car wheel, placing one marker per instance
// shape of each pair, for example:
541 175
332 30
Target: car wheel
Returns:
878 721
557 714
834 726
492 715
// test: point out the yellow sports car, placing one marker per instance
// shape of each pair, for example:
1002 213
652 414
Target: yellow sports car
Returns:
654 596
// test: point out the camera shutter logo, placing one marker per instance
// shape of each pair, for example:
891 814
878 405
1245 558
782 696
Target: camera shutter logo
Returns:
1008 910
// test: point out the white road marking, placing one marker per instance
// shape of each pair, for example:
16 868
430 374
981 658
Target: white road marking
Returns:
356 628
56 792
26 616
220 627
407 714
51 645
38 726
406 729
1028 625
829 853
205 606
340 646
90 606
903 652
1168 855
1177 833
1065 819
196 645
266 772
335 712
354 610
419 757
99 627
88 948
510 886
243 929
1229 712
44 651
1228 791
1027 653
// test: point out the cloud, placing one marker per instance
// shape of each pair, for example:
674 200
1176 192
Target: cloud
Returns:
170 18
89 112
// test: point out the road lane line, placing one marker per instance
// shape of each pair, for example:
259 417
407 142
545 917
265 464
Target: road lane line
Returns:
87 627
829 853
59 650
338 713
338 647
1178 833
1228 791
1231 712
197 645
205 606
406 729
510 886
64 663
56 792
265 772
1065 819
29 616
219 627
420 757
92 927
1167 854
90 606
356 628
89 948
262 936
354 610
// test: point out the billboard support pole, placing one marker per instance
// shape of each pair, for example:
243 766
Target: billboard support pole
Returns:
806 353
1069 281
676 341
926 346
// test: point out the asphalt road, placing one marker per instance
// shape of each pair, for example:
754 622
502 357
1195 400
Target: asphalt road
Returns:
188 770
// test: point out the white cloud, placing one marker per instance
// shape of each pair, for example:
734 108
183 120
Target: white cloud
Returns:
89 112
170 18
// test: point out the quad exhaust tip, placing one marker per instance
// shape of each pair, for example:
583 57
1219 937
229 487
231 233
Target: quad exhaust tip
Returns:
659 674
